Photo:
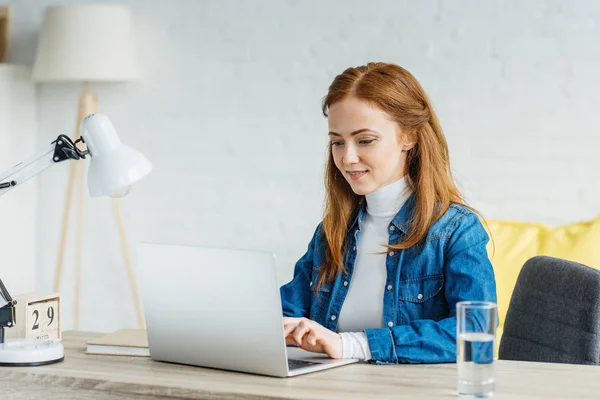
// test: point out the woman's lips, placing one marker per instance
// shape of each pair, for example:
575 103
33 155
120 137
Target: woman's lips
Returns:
356 175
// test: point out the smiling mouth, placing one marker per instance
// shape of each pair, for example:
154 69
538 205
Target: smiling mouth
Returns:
355 175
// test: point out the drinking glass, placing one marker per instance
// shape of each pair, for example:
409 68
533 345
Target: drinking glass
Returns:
475 343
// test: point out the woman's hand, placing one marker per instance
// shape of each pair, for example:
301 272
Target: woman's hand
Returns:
311 336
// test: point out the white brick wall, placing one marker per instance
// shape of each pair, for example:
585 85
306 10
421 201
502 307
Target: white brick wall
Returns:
17 209
228 110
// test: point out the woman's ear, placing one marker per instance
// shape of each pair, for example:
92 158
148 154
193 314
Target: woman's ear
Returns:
408 140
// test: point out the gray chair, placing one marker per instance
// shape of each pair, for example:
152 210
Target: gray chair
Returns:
554 314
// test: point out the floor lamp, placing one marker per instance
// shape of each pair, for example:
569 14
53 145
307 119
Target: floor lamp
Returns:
87 43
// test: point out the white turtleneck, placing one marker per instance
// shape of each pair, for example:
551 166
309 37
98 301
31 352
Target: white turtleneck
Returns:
363 306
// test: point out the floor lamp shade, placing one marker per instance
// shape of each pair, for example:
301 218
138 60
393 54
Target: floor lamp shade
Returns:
114 167
86 43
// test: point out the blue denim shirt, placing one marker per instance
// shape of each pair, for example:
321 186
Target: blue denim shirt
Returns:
423 285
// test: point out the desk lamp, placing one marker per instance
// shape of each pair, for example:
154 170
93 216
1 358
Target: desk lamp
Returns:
113 168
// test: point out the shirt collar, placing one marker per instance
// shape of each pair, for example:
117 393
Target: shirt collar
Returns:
402 220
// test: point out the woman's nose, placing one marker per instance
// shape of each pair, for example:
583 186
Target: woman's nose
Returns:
350 155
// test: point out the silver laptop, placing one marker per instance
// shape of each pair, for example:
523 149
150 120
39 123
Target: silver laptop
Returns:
218 308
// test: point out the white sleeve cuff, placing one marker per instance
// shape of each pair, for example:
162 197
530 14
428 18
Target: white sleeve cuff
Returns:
355 345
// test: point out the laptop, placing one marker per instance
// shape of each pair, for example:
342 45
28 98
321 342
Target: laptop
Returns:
218 308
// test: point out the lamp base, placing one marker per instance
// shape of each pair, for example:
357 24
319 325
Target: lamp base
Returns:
30 352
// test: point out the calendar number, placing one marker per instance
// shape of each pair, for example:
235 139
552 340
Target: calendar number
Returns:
43 319
50 314
36 314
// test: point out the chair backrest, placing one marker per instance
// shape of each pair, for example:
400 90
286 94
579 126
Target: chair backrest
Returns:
554 314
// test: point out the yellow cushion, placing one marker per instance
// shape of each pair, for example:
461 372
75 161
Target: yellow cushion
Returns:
513 243
578 242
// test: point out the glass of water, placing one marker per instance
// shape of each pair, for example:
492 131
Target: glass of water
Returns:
475 343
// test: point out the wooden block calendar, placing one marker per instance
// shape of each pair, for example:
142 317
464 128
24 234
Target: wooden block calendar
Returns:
37 316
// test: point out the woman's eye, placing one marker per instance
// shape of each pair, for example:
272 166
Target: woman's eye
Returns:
366 141
337 143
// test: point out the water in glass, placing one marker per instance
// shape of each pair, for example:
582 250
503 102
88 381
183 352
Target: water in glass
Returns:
475 359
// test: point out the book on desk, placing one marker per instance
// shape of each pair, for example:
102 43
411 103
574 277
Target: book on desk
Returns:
124 342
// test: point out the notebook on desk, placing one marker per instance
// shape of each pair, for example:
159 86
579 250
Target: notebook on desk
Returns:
124 342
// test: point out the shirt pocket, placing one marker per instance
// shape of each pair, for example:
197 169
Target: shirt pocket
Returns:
420 298
320 299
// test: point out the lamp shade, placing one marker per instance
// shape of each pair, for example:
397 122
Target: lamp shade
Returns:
114 167
86 42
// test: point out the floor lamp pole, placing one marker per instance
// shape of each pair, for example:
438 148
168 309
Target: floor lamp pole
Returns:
88 104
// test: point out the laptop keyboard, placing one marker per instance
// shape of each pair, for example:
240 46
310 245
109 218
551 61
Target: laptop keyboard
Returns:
295 364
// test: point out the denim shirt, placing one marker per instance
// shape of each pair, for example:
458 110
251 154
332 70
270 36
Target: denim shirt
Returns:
423 285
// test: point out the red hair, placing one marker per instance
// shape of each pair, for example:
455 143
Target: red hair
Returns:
394 90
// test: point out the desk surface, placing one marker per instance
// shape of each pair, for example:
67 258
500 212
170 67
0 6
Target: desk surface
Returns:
112 377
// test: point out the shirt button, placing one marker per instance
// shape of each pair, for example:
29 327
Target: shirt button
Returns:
333 317
353 248
420 296
391 253
310 283
389 287
390 324
345 283
392 228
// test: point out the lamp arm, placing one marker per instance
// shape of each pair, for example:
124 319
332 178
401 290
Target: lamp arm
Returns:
7 311
4 293
61 149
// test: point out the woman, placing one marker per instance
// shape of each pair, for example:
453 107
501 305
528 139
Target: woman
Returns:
397 247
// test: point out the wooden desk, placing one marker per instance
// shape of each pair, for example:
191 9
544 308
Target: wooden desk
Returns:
84 376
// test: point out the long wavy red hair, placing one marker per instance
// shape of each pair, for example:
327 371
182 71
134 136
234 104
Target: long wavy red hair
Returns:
394 90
